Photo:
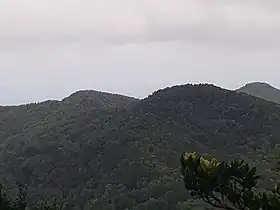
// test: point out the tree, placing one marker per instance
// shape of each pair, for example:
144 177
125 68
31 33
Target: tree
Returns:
20 203
5 203
226 185
50 205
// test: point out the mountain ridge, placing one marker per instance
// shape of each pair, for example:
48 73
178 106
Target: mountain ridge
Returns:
130 153
251 88
82 94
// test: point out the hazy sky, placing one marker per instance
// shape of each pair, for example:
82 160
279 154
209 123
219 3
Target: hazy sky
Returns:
50 48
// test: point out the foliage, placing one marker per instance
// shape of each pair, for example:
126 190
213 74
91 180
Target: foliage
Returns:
21 201
99 150
226 185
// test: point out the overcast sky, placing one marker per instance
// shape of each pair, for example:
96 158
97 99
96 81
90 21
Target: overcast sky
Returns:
50 48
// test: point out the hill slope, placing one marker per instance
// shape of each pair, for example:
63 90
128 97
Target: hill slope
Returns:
122 157
15 118
261 90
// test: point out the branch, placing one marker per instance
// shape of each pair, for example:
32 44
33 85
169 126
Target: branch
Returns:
221 206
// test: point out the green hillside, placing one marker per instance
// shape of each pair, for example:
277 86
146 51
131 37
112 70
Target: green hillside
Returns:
104 151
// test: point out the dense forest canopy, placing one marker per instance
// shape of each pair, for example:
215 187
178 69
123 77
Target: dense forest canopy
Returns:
104 151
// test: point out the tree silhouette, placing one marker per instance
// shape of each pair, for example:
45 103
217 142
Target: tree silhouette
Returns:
226 185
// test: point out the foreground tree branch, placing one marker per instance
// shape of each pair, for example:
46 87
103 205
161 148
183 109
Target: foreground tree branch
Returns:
230 186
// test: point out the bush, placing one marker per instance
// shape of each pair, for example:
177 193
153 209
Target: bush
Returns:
226 185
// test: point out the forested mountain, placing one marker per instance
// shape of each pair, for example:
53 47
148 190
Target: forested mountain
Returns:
104 151
261 90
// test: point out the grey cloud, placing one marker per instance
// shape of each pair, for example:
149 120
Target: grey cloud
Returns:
245 24
50 48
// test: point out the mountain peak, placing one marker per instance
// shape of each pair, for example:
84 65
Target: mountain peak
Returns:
258 84
98 99
261 90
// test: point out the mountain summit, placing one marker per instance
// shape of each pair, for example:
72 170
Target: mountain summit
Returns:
98 99
261 90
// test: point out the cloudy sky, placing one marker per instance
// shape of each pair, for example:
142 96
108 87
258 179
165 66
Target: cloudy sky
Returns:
50 48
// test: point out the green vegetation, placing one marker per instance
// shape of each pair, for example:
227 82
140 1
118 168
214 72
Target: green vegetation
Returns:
21 201
102 151
230 186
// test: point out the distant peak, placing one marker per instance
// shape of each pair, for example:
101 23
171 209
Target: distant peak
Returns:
90 94
262 90
259 84
99 99
84 93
